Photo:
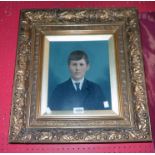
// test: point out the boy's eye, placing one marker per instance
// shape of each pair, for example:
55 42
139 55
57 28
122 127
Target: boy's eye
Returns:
74 64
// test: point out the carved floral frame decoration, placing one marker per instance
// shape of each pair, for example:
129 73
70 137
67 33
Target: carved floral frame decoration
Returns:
24 126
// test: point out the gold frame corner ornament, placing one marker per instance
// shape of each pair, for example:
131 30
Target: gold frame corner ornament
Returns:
132 124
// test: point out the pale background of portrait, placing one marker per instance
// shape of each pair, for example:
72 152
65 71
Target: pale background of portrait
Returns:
97 52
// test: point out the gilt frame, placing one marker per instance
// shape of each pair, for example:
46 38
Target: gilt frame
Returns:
130 124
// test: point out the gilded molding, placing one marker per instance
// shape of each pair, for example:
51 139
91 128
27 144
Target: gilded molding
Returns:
26 75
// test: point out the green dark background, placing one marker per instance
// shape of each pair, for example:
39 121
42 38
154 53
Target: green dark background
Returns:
97 52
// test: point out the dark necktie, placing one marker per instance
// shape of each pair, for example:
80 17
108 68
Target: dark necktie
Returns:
77 87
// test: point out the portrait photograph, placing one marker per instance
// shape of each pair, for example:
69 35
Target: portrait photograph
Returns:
78 60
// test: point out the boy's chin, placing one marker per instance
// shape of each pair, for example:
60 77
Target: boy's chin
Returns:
77 78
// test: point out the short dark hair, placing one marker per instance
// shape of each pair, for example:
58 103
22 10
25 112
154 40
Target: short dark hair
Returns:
78 55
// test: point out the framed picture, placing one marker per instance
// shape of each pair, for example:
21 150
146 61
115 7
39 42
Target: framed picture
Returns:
79 78
61 89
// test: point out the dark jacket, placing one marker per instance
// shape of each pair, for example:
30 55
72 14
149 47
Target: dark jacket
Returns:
65 97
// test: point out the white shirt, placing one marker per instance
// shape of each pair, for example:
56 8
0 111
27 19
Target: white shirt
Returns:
80 81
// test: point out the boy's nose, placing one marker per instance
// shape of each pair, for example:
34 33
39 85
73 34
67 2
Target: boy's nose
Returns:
77 67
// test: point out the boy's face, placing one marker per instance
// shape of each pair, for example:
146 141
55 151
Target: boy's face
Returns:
78 69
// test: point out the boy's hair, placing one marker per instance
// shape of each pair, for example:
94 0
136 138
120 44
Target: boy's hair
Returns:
78 55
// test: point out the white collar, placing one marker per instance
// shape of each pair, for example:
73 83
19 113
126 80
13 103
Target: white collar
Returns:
80 81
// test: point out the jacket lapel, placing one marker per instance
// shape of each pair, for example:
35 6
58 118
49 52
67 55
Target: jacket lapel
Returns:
85 90
70 86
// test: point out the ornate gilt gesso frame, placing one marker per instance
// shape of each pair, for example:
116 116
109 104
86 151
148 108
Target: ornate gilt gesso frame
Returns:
130 122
